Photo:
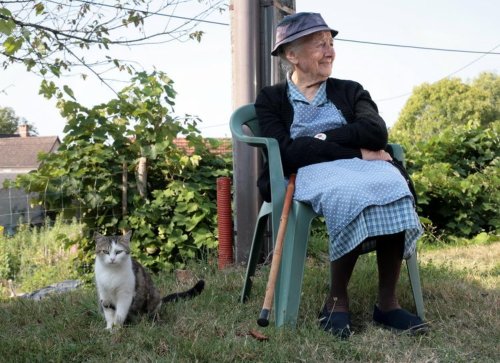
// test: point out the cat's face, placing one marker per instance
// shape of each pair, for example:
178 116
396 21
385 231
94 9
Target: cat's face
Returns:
112 250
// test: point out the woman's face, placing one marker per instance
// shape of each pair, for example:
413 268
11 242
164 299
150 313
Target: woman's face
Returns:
313 55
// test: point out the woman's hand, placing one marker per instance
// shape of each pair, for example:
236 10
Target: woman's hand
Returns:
375 155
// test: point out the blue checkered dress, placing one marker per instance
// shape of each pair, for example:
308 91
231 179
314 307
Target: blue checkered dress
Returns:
358 198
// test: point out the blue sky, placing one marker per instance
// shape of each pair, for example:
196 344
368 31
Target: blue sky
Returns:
202 72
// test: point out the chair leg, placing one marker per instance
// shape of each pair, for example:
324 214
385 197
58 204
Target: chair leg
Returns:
253 258
414 275
289 284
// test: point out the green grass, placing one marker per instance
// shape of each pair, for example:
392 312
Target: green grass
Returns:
461 294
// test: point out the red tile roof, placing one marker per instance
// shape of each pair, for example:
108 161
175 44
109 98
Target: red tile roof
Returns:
22 152
225 146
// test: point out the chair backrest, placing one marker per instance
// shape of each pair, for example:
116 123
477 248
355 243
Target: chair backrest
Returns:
243 119
246 116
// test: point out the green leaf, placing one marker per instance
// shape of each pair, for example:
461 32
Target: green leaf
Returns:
47 89
69 91
6 12
39 8
56 70
12 45
7 26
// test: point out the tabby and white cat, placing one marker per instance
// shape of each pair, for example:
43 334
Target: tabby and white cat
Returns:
125 290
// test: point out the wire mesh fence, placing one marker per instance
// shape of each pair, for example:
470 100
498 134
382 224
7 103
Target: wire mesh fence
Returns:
65 197
70 198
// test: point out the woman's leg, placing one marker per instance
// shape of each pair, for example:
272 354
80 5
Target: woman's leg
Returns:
388 312
389 258
340 274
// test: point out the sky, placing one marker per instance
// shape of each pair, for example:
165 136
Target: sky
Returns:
202 71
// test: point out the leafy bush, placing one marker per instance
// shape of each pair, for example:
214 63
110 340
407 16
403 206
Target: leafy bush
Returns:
94 174
37 257
450 132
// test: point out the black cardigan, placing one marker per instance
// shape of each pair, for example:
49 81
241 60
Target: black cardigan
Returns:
364 129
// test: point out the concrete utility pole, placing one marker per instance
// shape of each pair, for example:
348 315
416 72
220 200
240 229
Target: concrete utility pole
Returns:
246 163
252 37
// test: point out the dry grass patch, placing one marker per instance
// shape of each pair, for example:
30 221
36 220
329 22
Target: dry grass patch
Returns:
478 263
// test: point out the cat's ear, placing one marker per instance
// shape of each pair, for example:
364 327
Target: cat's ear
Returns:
127 236
97 236
99 240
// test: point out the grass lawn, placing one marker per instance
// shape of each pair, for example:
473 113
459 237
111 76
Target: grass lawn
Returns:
461 296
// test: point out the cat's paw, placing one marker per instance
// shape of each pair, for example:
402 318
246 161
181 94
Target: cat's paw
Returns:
113 328
119 320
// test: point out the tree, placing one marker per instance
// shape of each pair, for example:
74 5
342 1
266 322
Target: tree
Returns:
9 122
176 220
450 132
78 36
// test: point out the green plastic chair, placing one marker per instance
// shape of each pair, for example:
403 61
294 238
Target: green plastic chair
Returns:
289 282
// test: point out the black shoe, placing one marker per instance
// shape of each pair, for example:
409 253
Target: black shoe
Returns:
400 320
336 323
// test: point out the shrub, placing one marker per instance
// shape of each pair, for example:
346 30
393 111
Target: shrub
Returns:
173 218
450 132
39 256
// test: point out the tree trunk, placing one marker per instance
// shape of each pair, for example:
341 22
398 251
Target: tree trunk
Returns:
142 176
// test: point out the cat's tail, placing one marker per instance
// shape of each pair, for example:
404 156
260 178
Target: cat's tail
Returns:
188 294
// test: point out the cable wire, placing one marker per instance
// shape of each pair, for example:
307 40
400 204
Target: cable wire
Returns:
419 47
448 75
147 12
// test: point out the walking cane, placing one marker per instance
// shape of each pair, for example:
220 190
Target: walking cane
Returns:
278 248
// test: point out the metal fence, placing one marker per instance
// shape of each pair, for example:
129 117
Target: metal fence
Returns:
17 207
21 207
26 207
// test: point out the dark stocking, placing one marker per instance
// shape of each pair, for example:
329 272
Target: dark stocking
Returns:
389 258
340 274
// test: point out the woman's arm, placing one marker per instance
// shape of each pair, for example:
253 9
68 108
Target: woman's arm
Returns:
365 128
275 120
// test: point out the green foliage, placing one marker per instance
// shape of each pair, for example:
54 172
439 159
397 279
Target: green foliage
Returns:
176 220
9 122
450 131
9 263
37 257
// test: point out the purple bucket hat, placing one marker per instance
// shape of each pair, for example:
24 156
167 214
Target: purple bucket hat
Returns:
295 26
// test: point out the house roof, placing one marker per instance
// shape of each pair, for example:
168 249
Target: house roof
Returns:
22 152
224 147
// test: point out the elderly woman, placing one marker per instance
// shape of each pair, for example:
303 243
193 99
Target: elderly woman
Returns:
331 135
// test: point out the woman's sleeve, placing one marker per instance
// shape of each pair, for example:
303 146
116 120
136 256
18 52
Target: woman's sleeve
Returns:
299 152
367 129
